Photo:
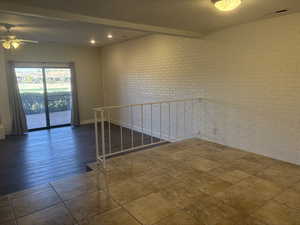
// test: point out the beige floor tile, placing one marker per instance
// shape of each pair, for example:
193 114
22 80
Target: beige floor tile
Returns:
290 198
31 200
74 186
202 164
280 175
247 166
206 183
129 190
151 208
29 191
260 159
140 169
90 204
277 214
158 182
57 215
177 169
244 199
117 176
179 218
240 220
6 214
296 187
229 174
207 153
215 187
181 196
214 214
188 175
230 154
117 216
264 188
183 155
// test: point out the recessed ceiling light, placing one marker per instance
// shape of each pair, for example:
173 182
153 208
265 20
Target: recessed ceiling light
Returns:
92 41
226 5
109 36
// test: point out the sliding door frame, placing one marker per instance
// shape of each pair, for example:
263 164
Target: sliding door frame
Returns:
46 103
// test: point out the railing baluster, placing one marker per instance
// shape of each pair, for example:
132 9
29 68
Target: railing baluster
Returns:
131 119
176 118
160 120
169 121
174 113
184 127
151 124
192 119
109 131
96 134
103 139
142 120
121 135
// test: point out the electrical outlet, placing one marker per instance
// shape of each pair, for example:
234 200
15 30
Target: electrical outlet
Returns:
215 131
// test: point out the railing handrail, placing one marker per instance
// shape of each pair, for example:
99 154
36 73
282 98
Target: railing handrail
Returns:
99 109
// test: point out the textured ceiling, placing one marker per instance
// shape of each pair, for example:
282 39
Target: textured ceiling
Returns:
64 32
192 15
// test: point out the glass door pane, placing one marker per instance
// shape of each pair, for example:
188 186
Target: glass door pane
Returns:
58 83
31 86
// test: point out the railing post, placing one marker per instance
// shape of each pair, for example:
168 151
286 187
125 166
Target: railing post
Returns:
176 120
192 126
96 135
142 120
151 123
160 120
169 121
103 139
109 131
184 126
121 136
131 120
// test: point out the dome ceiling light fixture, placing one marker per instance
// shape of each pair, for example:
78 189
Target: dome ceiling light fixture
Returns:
226 5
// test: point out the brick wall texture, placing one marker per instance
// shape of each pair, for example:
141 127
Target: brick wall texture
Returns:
249 76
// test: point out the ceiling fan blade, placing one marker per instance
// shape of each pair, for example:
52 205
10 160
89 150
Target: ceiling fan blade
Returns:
28 41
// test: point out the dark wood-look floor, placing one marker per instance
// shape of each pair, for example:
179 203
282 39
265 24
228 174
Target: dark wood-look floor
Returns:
43 156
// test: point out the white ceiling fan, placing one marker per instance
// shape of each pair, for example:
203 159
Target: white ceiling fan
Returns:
10 41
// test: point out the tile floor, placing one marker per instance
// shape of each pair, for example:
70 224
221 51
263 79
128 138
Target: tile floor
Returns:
186 183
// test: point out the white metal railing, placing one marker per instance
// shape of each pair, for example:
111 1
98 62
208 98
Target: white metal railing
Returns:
173 120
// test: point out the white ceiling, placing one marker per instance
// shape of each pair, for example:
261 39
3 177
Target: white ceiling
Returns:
63 32
188 17
192 15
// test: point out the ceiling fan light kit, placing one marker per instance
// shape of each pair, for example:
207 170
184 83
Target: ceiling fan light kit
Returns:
226 5
12 42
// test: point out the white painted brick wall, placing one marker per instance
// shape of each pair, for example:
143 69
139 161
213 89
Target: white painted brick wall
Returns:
250 75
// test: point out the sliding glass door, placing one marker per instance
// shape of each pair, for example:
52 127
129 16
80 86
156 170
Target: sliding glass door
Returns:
46 96
58 82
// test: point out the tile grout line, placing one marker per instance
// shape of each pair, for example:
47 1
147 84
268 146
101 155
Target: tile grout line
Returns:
36 211
13 210
63 202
